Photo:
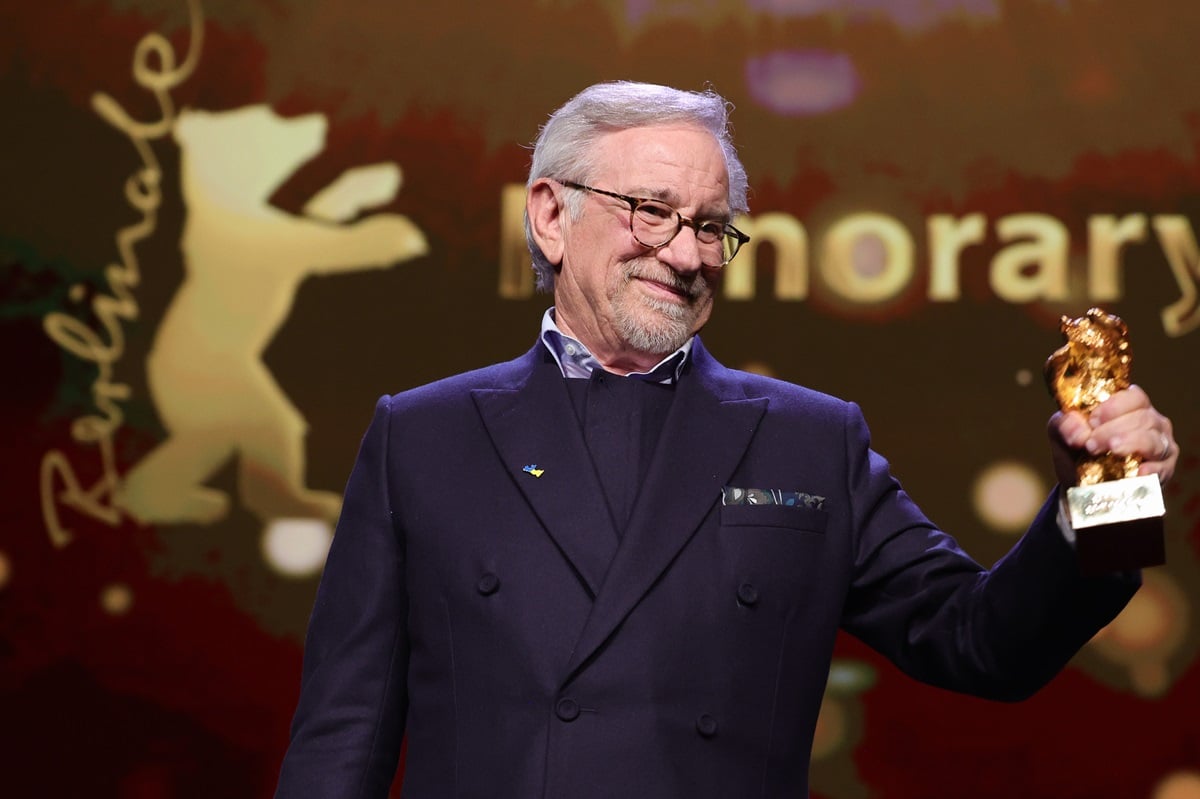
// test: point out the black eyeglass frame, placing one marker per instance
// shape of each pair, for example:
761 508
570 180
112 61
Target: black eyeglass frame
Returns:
681 221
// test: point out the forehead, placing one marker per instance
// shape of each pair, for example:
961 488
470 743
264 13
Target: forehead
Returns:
681 164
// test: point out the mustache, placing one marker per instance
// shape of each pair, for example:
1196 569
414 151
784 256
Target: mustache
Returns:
692 287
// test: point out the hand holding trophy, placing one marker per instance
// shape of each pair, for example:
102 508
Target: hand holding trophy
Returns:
1117 515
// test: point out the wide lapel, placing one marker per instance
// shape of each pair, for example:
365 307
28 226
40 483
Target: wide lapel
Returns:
533 425
706 434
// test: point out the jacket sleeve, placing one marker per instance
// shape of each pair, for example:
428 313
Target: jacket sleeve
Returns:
1000 633
349 723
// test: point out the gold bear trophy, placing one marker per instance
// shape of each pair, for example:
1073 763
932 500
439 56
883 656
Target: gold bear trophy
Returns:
1117 515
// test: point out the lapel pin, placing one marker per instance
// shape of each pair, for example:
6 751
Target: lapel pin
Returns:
534 470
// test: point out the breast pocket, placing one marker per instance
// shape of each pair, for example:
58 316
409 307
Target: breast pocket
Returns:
789 517
773 555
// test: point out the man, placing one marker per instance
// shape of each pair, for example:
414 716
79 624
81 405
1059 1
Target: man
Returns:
615 612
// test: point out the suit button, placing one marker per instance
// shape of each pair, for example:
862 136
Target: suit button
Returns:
706 725
567 709
488 584
747 595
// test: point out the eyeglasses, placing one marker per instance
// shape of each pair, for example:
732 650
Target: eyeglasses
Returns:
655 224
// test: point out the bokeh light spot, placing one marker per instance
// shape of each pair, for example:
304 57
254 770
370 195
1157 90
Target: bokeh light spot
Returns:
802 82
1147 633
116 599
297 547
1007 496
830 732
1143 624
1179 785
849 677
1024 378
5 570
908 15
869 257
758 368
1147 621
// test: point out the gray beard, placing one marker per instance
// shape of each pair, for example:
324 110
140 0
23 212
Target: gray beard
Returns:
657 326
668 329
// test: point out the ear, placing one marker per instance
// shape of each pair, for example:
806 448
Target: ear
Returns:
545 214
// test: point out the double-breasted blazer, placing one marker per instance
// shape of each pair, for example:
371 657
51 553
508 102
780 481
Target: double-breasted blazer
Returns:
497 619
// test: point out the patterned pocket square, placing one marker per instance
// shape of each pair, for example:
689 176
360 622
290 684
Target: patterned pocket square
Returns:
731 495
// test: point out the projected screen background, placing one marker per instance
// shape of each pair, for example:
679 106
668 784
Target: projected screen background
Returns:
228 227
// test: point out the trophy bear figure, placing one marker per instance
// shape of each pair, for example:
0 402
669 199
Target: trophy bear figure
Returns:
1093 365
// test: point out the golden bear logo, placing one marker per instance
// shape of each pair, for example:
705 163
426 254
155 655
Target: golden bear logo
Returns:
244 260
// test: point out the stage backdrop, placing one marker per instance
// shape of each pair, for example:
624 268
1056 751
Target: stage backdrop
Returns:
228 227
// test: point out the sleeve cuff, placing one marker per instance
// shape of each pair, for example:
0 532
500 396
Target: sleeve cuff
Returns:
1063 519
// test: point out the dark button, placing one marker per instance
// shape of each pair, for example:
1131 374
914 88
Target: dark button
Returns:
488 584
747 595
706 725
567 709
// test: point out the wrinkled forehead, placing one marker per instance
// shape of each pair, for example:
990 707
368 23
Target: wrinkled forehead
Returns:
679 164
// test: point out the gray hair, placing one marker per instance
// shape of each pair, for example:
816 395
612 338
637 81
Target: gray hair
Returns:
564 147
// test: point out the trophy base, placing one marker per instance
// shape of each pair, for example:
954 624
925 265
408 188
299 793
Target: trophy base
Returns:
1118 524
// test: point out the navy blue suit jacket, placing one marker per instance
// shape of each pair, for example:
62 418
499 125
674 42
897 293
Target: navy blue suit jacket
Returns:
497 619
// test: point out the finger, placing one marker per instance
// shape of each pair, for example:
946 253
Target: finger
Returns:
1070 429
1067 431
1163 460
1165 469
1125 401
1136 432
1146 434
1160 445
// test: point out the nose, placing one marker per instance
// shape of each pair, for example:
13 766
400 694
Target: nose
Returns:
682 253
